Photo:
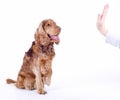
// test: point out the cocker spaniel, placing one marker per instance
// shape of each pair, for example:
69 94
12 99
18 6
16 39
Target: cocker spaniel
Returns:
36 70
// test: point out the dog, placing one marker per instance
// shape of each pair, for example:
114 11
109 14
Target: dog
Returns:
36 70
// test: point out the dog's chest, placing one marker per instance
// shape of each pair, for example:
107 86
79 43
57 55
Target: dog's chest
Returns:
47 50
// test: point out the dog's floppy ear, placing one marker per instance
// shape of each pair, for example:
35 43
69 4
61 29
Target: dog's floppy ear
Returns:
41 27
41 36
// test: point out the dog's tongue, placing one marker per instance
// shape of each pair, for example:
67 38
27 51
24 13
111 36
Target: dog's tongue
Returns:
56 39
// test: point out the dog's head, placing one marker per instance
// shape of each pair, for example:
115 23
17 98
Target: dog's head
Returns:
47 32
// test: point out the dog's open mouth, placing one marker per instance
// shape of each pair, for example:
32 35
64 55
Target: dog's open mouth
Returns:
54 38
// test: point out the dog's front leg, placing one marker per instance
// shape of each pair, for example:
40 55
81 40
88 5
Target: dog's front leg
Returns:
39 82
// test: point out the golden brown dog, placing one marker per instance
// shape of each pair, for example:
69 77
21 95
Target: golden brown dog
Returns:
36 69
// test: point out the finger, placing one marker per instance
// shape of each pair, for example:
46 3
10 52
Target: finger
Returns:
105 11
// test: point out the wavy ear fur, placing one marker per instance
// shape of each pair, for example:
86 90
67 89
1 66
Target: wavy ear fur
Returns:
41 36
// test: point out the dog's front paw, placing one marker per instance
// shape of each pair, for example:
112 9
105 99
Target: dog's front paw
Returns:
41 91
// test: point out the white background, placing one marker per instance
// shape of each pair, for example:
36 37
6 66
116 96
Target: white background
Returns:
84 68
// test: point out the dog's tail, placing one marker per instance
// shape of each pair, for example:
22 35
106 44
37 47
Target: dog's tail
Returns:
9 81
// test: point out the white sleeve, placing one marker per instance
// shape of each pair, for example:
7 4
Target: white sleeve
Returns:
113 39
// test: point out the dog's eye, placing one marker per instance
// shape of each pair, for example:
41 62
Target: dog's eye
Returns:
48 25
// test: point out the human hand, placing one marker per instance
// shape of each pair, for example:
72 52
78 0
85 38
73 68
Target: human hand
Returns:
101 21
